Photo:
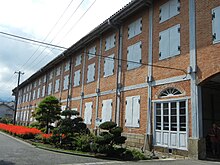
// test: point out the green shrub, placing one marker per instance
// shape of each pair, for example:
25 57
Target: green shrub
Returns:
107 125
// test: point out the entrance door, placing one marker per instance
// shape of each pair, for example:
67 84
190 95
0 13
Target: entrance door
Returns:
171 124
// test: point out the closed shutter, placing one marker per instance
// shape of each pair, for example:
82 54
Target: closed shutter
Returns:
169 10
174 40
216 24
66 81
77 78
92 52
91 73
128 112
135 28
78 60
109 66
43 91
136 111
164 44
134 56
88 113
174 7
107 110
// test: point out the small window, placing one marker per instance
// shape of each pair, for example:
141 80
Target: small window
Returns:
110 42
66 82
132 112
135 28
88 113
57 85
107 110
216 25
169 10
49 89
78 60
170 92
134 56
67 66
109 65
38 93
76 78
43 91
92 52
58 70
51 75
169 44
91 73
44 78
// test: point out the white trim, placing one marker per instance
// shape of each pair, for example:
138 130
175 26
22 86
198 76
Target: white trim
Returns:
171 80
172 99
133 87
108 92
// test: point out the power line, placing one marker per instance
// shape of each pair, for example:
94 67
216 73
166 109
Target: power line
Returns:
31 40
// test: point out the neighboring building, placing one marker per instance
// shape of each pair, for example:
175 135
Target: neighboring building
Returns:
153 68
7 110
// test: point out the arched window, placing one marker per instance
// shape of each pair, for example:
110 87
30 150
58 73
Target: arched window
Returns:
170 92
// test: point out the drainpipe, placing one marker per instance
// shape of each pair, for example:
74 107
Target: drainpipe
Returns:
148 139
118 76
83 77
98 80
69 84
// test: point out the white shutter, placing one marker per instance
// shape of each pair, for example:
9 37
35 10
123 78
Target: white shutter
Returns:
106 110
77 78
91 73
78 60
65 82
110 42
134 55
88 113
57 84
164 44
136 111
174 40
216 24
135 28
43 91
169 10
109 66
164 12
128 112
174 8
92 52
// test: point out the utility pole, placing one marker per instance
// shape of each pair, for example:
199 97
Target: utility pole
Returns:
16 94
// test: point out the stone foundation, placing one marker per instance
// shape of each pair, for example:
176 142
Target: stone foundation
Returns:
197 148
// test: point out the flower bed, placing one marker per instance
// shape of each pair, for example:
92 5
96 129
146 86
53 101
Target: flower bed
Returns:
21 131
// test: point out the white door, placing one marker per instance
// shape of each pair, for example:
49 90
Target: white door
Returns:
171 124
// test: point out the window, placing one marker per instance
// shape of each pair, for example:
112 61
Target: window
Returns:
77 78
92 52
169 10
78 60
170 92
135 28
26 97
88 113
43 91
51 75
49 89
169 44
216 24
58 71
107 110
170 124
67 66
38 92
65 82
134 55
109 65
91 73
57 85
110 42
132 113
39 82
44 79
34 94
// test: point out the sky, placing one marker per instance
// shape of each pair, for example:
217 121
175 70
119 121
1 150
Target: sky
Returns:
59 22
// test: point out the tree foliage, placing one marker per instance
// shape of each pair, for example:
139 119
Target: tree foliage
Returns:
48 111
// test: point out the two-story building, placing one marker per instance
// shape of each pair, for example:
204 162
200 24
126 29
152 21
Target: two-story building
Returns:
153 68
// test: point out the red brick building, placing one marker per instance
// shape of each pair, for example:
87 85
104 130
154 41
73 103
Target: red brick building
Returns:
153 68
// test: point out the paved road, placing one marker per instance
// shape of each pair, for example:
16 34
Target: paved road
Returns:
16 152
